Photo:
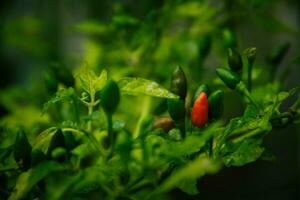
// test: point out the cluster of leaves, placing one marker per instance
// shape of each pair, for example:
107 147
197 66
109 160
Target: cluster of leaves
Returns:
145 165
145 162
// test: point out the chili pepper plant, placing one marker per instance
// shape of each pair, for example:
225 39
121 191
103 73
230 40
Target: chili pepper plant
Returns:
93 153
106 133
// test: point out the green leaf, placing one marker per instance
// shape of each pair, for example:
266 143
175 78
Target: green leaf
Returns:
242 153
190 172
140 86
250 112
61 95
6 152
90 82
191 144
30 178
188 186
42 141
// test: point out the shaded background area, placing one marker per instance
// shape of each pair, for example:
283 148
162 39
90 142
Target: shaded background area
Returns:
147 38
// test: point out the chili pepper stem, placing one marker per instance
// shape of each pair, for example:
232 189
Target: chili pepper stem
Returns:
91 137
181 125
75 107
90 111
241 88
110 130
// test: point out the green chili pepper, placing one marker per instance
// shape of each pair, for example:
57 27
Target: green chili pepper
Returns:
233 81
22 151
201 88
234 60
57 140
51 82
37 156
110 97
216 106
176 109
179 83
230 78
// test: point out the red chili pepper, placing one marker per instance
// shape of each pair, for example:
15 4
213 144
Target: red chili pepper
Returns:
200 110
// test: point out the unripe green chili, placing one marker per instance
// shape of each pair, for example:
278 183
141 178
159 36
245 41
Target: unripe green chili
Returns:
22 151
57 140
201 88
179 83
233 81
51 82
216 106
199 115
37 156
110 97
176 109
230 78
234 60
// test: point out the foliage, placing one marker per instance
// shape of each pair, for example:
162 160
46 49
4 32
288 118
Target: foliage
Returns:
118 153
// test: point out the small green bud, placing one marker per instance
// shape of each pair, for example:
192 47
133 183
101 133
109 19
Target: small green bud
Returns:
179 83
110 97
234 60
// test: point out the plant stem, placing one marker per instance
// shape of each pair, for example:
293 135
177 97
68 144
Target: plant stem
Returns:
181 126
110 130
89 136
244 91
247 135
90 111
75 107
145 111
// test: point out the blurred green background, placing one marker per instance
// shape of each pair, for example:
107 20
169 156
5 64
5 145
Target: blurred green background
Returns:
147 38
